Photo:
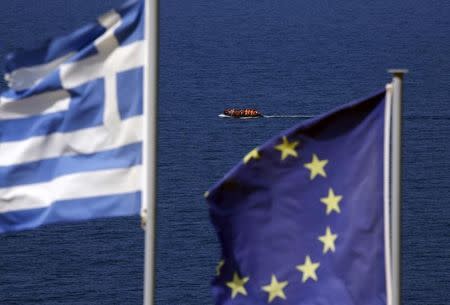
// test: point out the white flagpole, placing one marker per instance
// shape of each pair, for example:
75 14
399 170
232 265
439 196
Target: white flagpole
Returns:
397 78
149 150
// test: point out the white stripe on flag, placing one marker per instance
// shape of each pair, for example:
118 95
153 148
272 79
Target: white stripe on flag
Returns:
25 78
80 185
84 141
107 42
111 58
44 103
109 19
97 66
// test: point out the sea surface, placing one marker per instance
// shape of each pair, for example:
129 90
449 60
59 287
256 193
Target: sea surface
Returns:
283 57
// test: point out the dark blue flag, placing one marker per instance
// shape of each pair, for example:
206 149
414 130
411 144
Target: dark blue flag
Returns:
301 218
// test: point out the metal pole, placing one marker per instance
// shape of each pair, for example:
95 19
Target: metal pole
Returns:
397 77
149 149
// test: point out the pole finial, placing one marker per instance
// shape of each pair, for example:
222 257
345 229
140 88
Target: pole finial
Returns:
398 72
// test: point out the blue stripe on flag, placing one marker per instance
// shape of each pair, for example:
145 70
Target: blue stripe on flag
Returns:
19 129
130 30
86 110
125 80
50 82
132 27
54 49
46 170
81 40
74 210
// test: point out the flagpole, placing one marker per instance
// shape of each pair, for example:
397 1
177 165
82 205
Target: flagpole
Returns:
397 78
149 150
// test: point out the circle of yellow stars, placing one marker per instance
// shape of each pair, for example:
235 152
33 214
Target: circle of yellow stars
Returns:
308 270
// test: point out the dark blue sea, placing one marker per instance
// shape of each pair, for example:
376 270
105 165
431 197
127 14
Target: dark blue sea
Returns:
282 57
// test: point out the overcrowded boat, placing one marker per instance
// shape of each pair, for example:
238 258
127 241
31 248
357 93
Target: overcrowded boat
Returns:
242 113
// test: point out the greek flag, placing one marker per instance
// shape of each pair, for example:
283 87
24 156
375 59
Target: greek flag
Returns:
71 125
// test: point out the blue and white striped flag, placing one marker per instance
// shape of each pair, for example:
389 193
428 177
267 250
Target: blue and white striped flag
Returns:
71 125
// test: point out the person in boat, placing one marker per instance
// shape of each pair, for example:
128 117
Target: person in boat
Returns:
227 112
241 112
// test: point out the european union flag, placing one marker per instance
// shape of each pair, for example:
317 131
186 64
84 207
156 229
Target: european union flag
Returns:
301 218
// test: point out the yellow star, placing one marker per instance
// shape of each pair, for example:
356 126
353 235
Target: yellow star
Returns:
275 289
328 240
309 269
219 267
332 202
287 148
254 154
316 166
237 285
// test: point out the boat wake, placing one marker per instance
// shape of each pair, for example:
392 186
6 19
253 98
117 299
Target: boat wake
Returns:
288 116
